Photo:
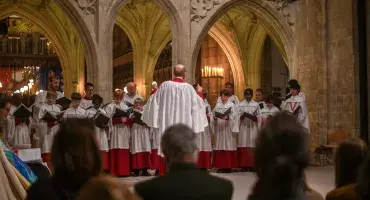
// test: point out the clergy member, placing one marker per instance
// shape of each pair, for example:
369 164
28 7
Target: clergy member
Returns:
175 102
249 111
86 101
230 87
131 94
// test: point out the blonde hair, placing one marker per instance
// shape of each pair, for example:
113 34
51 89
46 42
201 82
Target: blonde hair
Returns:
107 188
138 101
118 93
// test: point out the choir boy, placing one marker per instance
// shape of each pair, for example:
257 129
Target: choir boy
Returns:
300 94
226 123
75 111
296 105
230 88
249 112
204 142
140 141
86 101
21 134
259 98
119 148
48 127
101 132
268 111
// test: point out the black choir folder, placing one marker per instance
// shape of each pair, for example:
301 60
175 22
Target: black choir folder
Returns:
63 101
49 117
101 120
296 111
250 116
130 105
122 113
261 105
137 117
22 112
224 114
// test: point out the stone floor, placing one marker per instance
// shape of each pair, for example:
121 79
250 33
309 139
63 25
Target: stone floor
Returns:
320 179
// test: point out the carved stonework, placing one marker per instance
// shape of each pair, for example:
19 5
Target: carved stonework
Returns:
42 6
87 6
200 8
132 3
286 8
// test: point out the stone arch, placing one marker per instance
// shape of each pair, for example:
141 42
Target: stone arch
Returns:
273 21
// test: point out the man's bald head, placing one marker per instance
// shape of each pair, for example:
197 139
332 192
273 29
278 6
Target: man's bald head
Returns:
131 88
179 70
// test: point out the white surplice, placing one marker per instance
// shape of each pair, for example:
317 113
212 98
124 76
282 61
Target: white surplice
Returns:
41 97
120 133
155 138
44 132
224 129
248 130
174 103
101 134
86 103
78 112
9 127
21 133
292 104
204 142
234 99
140 139
130 99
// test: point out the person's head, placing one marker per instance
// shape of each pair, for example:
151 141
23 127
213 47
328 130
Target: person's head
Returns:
294 89
89 90
248 94
269 101
179 71
229 87
154 85
139 103
225 94
97 100
280 156
118 96
51 97
131 88
259 95
54 83
107 188
292 82
16 99
76 99
349 155
363 181
179 145
75 156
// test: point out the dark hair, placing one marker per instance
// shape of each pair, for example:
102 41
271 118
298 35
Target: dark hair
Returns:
281 155
53 77
260 90
51 94
229 84
97 97
76 96
363 181
75 155
225 93
88 84
295 86
248 90
292 82
349 156
270 99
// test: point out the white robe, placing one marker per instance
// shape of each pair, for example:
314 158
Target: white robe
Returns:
85 104
140 139
130 99
21 132
155 137
101 134
204 142
175 103
234 99
224 129
292 104
9 128
248 130
120 135
74 113
45 133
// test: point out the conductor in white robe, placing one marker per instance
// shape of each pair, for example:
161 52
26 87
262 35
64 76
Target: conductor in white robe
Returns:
249 112
296 105
225 148
175 102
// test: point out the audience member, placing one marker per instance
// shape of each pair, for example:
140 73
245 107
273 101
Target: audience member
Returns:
349 156
75 159
107 188
184 181
281 155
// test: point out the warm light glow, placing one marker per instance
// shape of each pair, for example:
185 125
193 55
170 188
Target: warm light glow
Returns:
125 89
116 89
31 80
25 88
37 93
1 85
41 90
22 90
17 91
212 71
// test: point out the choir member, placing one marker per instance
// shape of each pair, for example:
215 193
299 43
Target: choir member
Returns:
140 141
300 94
230 87
259 98
296 105
175 102
47 128
249 112
204 142
226 124
154 87
21 134
10 123
75 111
119 149
268 111
131 94
86 101
53 85
100 132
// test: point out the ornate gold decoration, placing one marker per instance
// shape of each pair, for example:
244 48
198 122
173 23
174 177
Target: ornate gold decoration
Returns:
87 6
200 8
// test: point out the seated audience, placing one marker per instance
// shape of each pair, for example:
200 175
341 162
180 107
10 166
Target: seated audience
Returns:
281 155
349 156
107 188
363 181
75 158
184 181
